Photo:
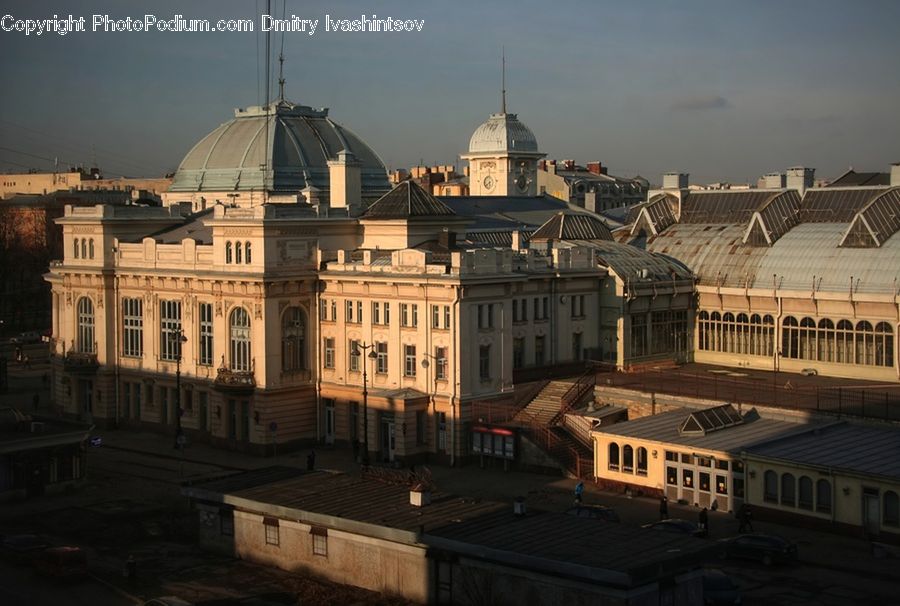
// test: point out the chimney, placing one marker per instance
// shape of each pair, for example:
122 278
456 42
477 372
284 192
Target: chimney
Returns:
516 240
569 164
551 167
800 178
774 181
447 238
675 180
895 174
590 201
596 167
346 181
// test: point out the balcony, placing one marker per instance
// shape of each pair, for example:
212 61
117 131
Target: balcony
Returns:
77 362
234 381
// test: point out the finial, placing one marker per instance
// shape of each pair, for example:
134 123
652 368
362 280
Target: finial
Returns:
281 76
503 78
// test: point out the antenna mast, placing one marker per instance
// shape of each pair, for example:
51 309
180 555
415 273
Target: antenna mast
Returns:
503 78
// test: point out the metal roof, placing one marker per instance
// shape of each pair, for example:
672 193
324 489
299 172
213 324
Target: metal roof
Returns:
723 206
193 228
853 178
503 132
848 447
836 205
406 201
630 262
572 226
664 428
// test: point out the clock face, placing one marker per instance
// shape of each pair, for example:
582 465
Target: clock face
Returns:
488 182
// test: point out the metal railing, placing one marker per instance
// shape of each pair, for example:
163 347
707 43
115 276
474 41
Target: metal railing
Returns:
574 461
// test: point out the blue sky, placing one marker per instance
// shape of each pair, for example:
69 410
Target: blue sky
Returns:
723 90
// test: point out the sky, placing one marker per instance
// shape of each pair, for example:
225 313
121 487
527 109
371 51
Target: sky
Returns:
723 90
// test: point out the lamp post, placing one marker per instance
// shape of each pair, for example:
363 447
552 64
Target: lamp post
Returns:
177 337
365 394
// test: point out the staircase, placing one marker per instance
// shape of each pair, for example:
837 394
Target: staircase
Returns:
572 454
545 406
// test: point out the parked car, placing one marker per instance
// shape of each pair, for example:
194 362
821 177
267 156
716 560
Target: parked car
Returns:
765 548
21 549
677 526
64 563
598 512
720 590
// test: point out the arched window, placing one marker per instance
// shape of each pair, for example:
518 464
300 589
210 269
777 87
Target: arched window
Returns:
715 320
728 332
826 341
823 496
891 515
627 458
703 322
865 343
788 490
84 248
806 493
790 338
240 340
91 248
85 342
75 247
228 252
246 252
884 344
769 331
770 486
237 253
641 461
614 456
293 340
807 339
843 342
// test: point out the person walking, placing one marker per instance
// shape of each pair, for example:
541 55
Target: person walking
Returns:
746 519
703 521
579 491
663 508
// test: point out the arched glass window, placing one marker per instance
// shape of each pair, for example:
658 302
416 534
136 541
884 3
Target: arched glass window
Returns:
293 340
240 340
823 496
84 248
91 248
703 322
807 339
228 252
788 489
806 493
884 344
770 486
237 253
843 342
826 341
891 515
246 252
865 343
614 456
627 458
790 338
75 247
641 461
769 331
85 343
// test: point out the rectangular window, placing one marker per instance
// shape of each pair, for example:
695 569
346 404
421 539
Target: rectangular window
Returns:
354 359
329 353
539 350
515 310
170 330
447 317
133 327
409 356
404 314
333 316
545 308
349 313
721 484
578 306
206 334
273 536
381 361
671 456
704 481
484 362
518 352
486 316
415 315
687 478
319 541
537 309
440 369
672 476
323 310
435 316
387 313
359 306
376 312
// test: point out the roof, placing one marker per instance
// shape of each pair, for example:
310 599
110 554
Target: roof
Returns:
572 226
406 201
301 141
664 428
503 132
193 228
844 446
18 431
853 178
509 212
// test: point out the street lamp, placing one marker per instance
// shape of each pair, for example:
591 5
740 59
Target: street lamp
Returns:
371 355
177 337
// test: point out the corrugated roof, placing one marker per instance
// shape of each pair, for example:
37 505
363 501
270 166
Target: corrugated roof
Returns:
852 178
876 222
407 200
835 205
629 262
723 206
845 446
571 226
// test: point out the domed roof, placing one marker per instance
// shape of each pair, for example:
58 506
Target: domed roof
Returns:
503 132
301 140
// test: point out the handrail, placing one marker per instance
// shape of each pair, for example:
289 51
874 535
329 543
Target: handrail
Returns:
576 393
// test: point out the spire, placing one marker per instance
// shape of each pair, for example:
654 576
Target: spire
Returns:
503 79
281 75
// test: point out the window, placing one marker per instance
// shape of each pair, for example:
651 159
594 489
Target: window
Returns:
323 310
539 350
387 313
381 313
704 481
891 515
329 352
206 334
577 351
75 247
404 314
627 459
228 258
672 476
409 360
435 316
788 490
639 335
440 356
272 531
842 343
770 487
518 352
823 496
91 248
613 455
237 253
446 316
381 360
671 456
520 310
170 330
577 309
805 486
415 315
486 316
355 354
721 484
133 328
669 330
319 541
86 342
484 362
376 312
687 478
641 461
84 248
246 252
751 335
293 340
240 340
348 316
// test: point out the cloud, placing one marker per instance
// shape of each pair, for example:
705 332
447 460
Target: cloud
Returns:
700 103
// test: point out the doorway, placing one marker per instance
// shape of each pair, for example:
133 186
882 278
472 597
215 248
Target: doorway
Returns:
388 440
329 421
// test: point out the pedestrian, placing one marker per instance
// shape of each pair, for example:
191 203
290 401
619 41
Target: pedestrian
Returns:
579 491
131 570
663 508
703 522
35 401
311 460
746 519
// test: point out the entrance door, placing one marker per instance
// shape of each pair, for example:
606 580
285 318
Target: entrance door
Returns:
388 440
871 518
329 421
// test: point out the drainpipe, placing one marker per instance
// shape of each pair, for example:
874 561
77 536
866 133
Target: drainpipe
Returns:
116 352
453 396
318 351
